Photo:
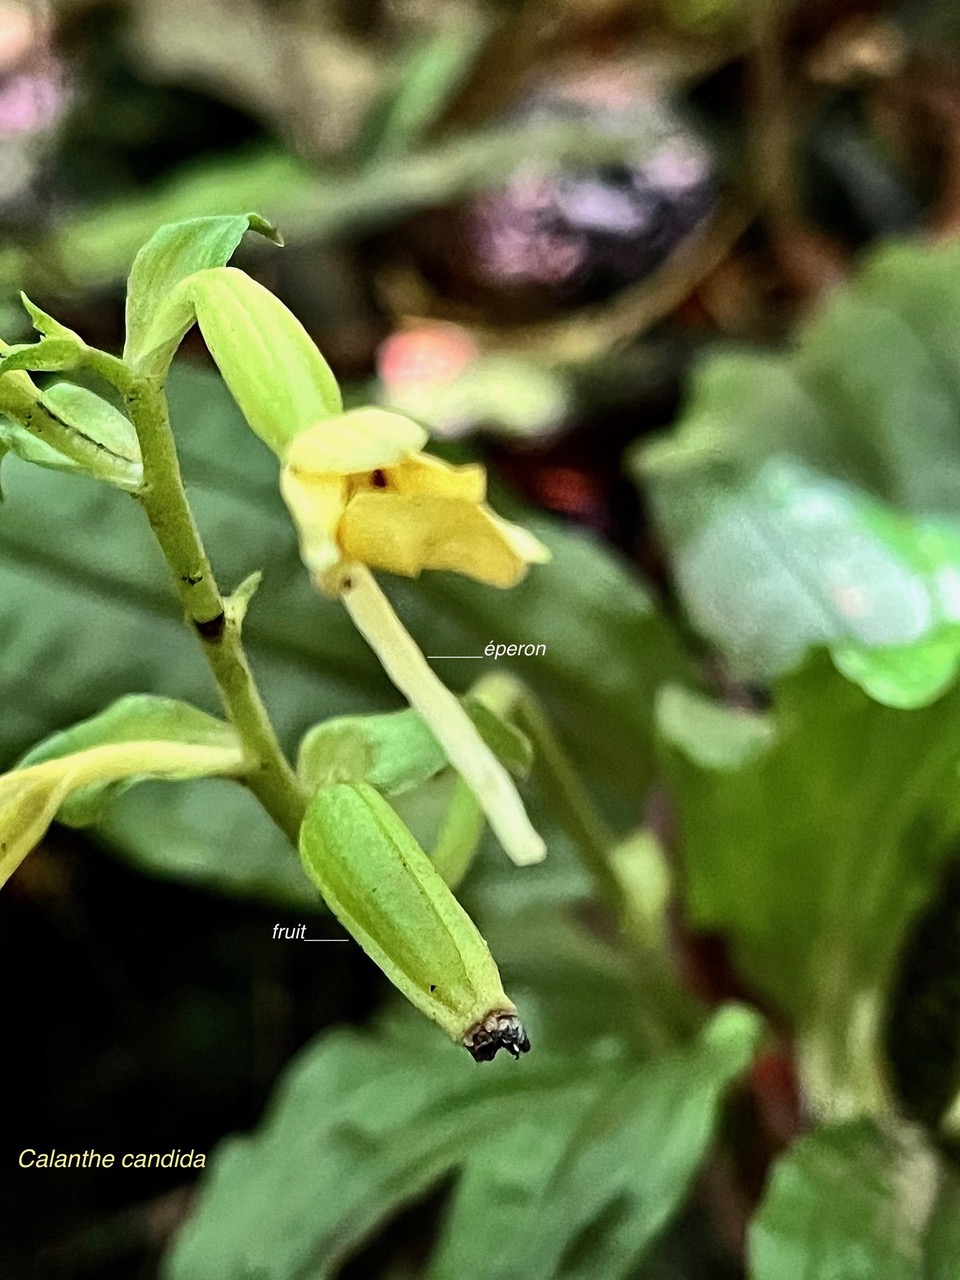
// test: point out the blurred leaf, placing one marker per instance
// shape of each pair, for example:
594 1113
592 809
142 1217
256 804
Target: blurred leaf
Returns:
594 1212
46 325
82 624
139 717
428 76
860 1202
339 202
157 315
711 735
363 1125
869 397
814 855
796 560
510 395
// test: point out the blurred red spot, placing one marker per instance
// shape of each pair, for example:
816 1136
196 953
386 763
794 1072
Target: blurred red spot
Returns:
564 489
430 354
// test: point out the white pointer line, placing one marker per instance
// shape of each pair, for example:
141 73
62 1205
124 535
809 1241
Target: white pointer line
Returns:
435 657
325 939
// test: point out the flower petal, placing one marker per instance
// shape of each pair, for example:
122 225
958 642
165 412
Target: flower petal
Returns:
422 474
316 504
407 534
362 440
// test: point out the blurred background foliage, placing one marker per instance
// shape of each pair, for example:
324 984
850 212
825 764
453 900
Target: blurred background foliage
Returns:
683 273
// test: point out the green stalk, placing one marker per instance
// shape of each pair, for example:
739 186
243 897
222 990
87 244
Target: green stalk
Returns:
269 776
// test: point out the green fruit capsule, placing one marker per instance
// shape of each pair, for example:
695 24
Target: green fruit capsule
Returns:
382 886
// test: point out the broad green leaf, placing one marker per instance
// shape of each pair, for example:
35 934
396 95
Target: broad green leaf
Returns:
80 625
868 397
134 719
157 313
813 856
860 1202
359 1127
796 560
594 1208
363 1125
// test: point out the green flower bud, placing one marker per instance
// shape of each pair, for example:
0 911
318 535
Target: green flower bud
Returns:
280 381
386 891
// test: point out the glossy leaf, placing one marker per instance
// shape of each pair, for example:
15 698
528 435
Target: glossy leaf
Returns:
771 558
797 560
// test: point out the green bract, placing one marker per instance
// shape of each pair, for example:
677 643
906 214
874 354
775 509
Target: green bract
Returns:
157 314
383 887
74 772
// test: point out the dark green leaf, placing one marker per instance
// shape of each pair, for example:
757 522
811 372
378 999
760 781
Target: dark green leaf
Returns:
814 854
362 1126
594 1208
859 1202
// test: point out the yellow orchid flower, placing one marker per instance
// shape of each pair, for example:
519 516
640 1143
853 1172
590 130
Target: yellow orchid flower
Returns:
361 491
364 495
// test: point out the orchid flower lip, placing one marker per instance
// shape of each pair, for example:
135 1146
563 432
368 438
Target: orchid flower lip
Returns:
361 489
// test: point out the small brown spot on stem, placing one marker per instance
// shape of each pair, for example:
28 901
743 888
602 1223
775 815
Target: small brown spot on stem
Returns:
378 479
212 630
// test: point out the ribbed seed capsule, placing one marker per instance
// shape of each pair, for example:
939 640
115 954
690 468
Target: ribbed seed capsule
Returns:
382 886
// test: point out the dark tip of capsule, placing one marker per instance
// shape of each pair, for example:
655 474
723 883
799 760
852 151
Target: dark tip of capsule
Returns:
497 1031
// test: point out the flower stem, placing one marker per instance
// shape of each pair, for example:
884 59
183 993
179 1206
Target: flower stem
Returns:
565 793
269 774
406 666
